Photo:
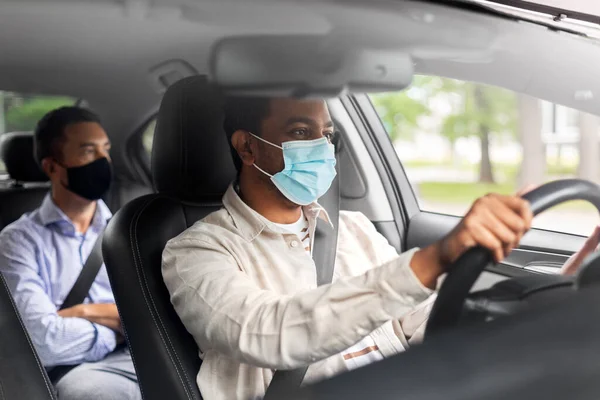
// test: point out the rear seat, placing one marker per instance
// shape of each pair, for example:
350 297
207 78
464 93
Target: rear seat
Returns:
27 184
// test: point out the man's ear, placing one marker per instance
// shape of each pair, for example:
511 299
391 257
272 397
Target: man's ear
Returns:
240 140
48 166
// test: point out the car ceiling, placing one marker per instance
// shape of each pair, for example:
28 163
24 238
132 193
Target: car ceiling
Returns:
103 51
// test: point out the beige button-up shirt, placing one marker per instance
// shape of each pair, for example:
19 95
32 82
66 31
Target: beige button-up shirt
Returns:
251 301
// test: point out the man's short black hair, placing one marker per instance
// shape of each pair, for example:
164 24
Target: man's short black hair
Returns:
244 113
50 129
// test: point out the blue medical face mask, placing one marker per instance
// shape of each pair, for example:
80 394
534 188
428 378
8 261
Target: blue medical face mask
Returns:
309 169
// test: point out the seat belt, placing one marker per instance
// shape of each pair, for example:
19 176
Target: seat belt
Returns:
86 277
77 295
324 252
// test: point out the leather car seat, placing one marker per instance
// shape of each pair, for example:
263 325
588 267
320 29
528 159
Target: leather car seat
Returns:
191 169
27 186
22 375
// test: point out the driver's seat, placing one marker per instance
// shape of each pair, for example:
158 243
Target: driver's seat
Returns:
191 169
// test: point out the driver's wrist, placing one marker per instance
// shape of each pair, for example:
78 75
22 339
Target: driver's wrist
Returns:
427 265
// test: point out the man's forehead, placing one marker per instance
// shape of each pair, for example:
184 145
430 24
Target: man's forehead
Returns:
85 131
284 108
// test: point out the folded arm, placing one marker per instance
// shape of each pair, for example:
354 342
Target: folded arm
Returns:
105 314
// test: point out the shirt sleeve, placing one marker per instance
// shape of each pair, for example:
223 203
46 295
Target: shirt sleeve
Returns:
410 327
413 323
58 341
380 250
227 312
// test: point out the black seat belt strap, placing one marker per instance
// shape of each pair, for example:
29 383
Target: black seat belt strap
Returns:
86 277
77 295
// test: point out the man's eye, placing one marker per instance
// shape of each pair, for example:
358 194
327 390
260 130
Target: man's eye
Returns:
300 132
330 136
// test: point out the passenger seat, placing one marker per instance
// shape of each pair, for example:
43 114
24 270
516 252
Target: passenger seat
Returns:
27 184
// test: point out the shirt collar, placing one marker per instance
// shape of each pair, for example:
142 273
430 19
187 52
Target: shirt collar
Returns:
251 224
50 213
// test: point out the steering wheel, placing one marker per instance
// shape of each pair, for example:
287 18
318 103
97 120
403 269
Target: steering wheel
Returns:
463 273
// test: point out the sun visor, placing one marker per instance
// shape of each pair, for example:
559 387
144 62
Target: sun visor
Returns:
305 66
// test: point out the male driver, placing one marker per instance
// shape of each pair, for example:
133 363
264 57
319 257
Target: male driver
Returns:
243 281
42 254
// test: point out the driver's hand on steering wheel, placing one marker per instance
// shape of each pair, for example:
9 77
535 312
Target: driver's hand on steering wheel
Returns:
496 222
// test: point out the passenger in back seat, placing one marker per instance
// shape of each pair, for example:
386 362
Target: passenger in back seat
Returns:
42 255
243 281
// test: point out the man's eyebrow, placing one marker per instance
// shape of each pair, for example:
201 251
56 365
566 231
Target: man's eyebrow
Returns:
300 120
307 121
92 144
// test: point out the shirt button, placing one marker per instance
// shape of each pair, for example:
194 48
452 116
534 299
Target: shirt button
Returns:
294 243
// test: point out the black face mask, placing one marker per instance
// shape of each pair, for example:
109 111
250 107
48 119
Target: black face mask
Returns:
90 181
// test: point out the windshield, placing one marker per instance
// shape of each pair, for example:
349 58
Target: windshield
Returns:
577 15
590 7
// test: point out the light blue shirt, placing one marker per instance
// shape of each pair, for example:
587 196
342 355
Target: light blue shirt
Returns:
41 256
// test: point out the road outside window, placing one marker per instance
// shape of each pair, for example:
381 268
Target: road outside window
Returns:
459 140
21 112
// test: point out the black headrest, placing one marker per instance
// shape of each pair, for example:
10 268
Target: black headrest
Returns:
191 159
16 151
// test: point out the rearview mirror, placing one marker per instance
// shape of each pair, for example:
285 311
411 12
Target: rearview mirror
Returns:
305 66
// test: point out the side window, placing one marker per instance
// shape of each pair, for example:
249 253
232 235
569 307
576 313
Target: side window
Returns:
148 137
459 140
21 112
